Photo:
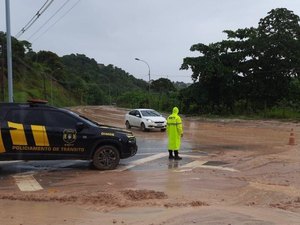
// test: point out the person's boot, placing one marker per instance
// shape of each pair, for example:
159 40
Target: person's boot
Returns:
171 154
177 156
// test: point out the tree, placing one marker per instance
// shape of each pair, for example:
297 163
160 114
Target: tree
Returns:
254 65
50 59
279 53
162 85
269 57
213 69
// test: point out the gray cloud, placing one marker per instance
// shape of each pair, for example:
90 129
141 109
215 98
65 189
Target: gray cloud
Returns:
158 31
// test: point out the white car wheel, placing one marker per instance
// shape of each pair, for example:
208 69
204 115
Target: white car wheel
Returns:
127 124
143 127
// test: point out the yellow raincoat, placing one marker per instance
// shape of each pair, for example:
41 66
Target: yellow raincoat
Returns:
174 130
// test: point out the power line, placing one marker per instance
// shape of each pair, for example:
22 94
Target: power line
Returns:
57 11
56 21
35 17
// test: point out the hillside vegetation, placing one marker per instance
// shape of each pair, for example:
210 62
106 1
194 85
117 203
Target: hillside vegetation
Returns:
79 80
253 73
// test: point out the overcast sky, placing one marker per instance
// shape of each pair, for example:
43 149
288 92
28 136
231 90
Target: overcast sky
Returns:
160 32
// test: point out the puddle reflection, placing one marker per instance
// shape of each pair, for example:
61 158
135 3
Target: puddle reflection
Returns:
173 164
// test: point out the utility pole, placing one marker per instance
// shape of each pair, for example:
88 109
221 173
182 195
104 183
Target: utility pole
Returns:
9 54
2 69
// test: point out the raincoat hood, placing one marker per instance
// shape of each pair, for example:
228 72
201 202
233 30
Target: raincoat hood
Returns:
175 110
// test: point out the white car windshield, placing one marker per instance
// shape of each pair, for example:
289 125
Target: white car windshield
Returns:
149 113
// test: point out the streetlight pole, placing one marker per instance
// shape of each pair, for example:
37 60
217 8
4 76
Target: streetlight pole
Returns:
148 75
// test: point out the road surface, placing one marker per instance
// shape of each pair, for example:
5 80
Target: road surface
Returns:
232 172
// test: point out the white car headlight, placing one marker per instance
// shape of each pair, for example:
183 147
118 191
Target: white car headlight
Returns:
148 120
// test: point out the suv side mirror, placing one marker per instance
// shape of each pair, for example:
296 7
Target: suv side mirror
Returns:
79 126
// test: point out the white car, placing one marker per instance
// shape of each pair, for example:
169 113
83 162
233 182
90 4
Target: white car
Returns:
146 119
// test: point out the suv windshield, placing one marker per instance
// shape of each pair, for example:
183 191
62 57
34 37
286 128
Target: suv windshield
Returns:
85 119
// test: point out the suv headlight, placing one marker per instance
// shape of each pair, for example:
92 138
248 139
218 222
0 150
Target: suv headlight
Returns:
131 140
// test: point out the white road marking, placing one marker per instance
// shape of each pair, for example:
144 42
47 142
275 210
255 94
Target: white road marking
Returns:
182 171
148 159
200 164
141 161
184 168
219 168
27 183
192 156
9 162
183 155
194 164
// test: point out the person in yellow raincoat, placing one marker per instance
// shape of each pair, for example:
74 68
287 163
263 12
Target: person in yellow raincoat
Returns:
175 132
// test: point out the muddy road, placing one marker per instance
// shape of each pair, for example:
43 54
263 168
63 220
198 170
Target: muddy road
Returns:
232 172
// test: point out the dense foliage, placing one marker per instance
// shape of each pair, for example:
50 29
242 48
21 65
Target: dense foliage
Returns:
77 79
254 70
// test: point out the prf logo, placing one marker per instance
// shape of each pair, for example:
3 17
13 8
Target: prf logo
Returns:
69 136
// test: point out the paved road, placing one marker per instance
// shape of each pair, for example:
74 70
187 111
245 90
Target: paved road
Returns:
232 172
152 155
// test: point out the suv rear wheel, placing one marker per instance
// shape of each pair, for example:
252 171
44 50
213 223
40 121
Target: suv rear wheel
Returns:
106 158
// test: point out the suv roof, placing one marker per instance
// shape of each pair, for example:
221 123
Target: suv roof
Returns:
26 104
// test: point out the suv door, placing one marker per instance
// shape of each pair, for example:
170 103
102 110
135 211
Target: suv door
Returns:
135 118
63 135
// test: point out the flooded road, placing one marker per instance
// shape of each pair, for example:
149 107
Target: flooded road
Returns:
232 172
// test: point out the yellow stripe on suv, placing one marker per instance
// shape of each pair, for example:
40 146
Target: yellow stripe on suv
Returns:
17 133
2 148
39 135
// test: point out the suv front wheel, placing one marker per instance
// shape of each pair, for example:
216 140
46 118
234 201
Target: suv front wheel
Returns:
106 158
143 127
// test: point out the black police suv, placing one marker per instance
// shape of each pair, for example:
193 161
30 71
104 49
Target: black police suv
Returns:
37 131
